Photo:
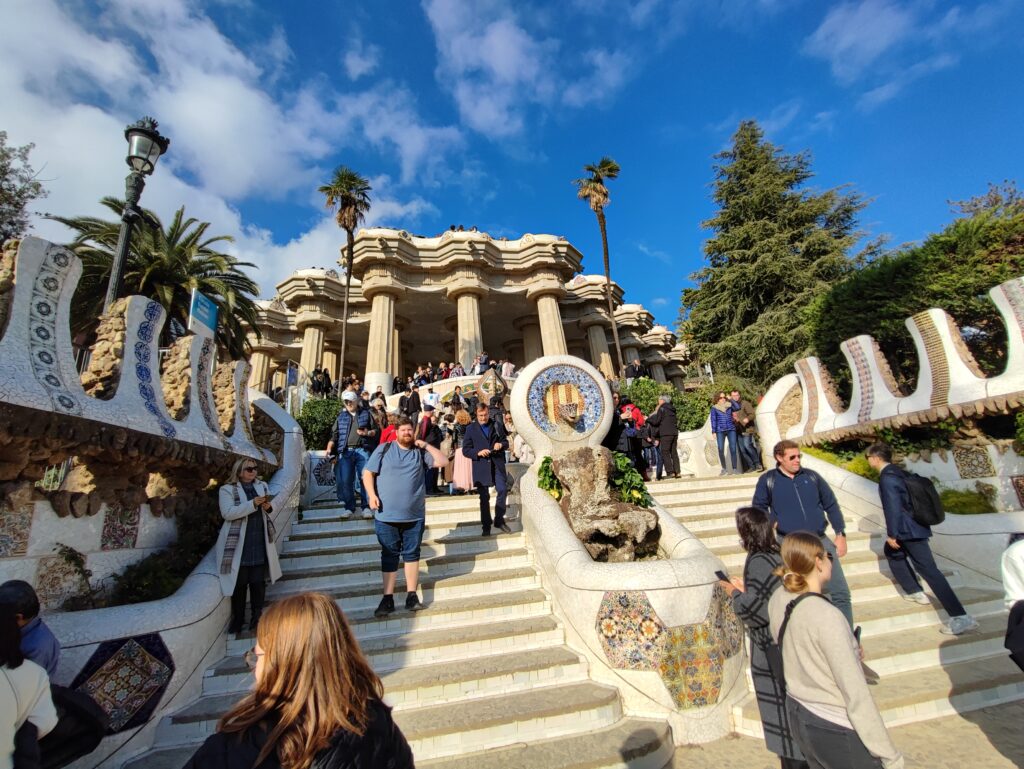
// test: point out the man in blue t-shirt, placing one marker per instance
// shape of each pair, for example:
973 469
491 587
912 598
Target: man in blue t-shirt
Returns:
395 488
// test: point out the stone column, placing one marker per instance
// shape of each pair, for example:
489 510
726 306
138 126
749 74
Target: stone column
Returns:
469 336
514 352
551 332
396 353
280 376
630 354
330 362
533 347
378 346
658 372
679 382
312 348
600 354
259 360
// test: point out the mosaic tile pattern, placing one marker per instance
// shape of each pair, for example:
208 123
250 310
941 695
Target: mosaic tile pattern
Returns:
55 581
1018 486
120 527
711 454
148 329
127 677
689 658
1014 292
570 384
15 528
973 462
205 366
811 386
323 472
632 635
862 370
42 337
242 399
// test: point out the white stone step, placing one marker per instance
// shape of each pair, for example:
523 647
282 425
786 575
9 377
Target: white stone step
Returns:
723 483
461 539
684 499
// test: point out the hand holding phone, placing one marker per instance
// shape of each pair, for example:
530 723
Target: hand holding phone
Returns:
722 575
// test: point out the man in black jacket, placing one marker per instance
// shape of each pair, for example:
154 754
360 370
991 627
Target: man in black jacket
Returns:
666 433
409 404
430 433
485 442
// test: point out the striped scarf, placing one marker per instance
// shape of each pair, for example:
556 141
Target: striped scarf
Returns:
235 531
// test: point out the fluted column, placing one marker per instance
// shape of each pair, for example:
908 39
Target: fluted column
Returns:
533 347
378 346
260 371
658 372
330 363
679 382
600 355
312 348
551 332
280 376
469 337
630 354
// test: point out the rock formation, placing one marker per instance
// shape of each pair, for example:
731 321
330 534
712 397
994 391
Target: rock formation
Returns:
610 530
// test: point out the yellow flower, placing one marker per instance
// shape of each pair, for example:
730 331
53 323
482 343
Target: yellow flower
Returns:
636 494
553 493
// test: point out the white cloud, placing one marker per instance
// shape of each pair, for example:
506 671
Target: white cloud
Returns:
654 253
360 59
891 89
854 35
781 117
659 301
609 71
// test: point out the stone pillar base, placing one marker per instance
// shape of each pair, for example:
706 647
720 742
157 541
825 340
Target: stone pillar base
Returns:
375 379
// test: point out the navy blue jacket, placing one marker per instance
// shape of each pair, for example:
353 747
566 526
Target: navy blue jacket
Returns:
800 503
339 434
474 441
899 521
722 421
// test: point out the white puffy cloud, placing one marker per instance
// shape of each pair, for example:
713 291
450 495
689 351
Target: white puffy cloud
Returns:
854 35
360 59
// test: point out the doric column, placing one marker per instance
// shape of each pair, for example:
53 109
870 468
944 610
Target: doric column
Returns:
469 336
600 354
312 347
679 382
378 346
514 352
533 347
330 362
259 360
396 347
630 354
658 372
551 332
280 376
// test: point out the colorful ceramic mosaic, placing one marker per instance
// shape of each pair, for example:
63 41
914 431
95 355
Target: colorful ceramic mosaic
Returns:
148 329
242 399
323 473
936 355
973 462
15 528
810 386
689 658
1018 486
204 368
56 579
42 319
569 386
120 527
127 677
490 383
863 372
632 635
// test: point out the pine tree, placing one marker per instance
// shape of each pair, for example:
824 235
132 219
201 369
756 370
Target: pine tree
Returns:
777 245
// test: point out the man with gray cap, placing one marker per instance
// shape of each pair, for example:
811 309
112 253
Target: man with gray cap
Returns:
665 433
353 437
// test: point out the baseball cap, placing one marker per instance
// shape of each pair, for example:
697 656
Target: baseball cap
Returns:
348 395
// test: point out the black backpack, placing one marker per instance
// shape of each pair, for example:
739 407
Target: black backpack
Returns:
925 504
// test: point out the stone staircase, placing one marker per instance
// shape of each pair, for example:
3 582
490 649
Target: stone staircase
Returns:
483 678
924 674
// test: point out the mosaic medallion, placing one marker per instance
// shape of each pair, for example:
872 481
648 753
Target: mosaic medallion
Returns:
56 580
973 462
127 677
120 527
489 384
143 368
42 320
15 527
565 401
630 631
323 472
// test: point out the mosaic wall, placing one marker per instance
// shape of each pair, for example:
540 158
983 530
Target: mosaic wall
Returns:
863 372
561 390
15 527
127 677
973 462
1018 486
690 659
55 580
120 527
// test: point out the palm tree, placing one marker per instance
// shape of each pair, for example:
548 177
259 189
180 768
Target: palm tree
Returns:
592 189
164 264
349 193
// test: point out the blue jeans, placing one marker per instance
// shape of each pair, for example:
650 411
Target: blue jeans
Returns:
653 456
721 438
349 474
919 553
398 540
749 452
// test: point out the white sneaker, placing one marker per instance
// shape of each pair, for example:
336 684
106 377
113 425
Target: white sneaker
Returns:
367 513
345 514
918 597
959 625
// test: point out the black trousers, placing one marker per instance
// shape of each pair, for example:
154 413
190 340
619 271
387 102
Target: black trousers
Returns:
669 457
827 745
251 580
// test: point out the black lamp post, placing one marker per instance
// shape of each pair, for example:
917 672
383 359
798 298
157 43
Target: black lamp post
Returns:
145 146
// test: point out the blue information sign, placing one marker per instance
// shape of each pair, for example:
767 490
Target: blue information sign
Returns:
202 316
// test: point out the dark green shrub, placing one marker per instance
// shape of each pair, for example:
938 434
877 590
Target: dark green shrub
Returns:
625 479
693 406
965 502
317 419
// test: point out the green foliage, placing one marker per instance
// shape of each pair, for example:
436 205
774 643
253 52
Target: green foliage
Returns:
85 597
317 419
1018 422
966 502
164 264
18 188
693 406
853 462
952 270
925 438
776 247
625 479
160 574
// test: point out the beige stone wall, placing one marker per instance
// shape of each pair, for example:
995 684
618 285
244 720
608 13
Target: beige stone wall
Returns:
224 396
7 259
101 377
176 377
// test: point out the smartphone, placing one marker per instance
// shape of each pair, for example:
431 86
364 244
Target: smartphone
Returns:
722 576
856 633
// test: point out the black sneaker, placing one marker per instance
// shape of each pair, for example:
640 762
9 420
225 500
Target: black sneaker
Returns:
385 607
505 528
412 602
485 533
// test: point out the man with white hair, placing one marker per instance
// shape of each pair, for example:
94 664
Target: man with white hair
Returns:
353 437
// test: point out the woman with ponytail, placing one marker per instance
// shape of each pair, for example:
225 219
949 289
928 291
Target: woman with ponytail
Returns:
831 712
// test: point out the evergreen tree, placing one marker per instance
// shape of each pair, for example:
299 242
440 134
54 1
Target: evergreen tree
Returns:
777 245
18 188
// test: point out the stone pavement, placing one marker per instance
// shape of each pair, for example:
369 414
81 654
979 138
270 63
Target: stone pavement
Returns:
990 738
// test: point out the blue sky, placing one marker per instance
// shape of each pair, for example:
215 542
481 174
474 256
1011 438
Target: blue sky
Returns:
482 112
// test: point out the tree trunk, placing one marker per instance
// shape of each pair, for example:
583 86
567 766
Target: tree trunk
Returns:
344 307
608 291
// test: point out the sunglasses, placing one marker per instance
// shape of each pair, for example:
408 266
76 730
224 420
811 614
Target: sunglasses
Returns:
250 469
252 657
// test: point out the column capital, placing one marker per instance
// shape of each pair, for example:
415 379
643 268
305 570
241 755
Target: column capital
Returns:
593 318
264 346
519 324
305 319
464 280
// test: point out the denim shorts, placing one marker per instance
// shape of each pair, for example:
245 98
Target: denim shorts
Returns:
398 539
